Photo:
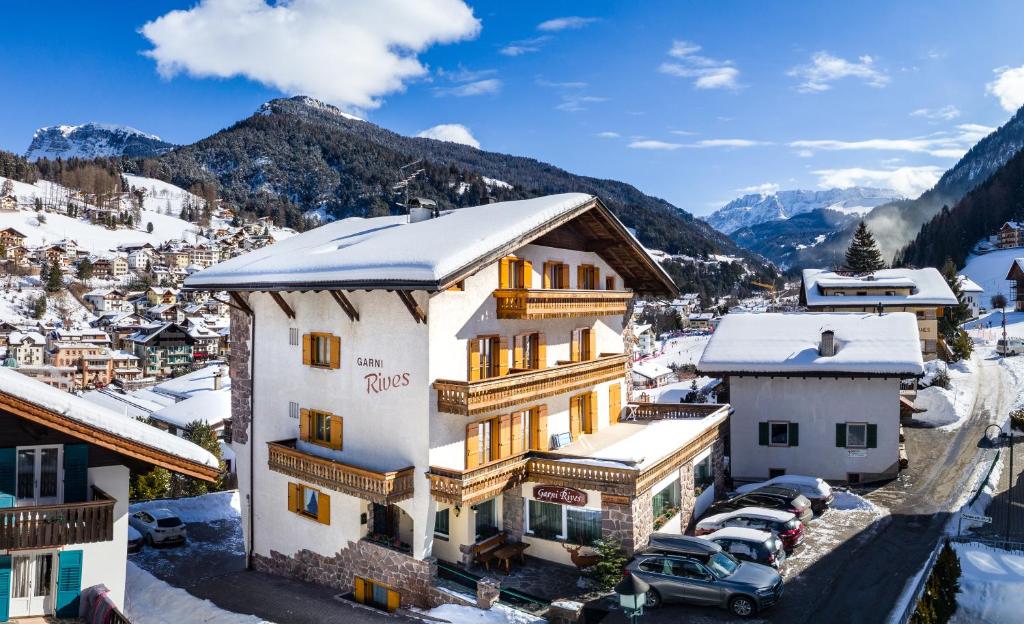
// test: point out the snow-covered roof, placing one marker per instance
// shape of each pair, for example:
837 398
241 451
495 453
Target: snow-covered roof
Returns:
968 285
17 337
866 344
651 370
195 382
39 394
927 285
391 252
212 407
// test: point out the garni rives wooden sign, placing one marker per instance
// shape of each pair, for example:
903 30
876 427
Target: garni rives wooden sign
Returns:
560 495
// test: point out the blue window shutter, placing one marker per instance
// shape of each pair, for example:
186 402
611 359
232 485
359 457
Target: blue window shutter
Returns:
8 476
69 582
76 473
5 586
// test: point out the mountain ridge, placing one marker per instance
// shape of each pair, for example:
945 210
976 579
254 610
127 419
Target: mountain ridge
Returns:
756 208
93 140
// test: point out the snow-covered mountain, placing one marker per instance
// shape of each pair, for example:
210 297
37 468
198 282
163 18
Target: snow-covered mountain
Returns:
92 140
757 208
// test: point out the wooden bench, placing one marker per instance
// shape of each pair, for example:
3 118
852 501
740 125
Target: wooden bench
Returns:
483 551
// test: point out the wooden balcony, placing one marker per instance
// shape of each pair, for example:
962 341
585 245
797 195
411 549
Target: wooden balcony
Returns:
670 411
478 397
467 487
48 526
382 488
532 303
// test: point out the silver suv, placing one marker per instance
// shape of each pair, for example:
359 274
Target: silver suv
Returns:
715 579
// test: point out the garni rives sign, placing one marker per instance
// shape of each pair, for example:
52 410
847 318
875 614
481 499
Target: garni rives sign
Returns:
381 382
561 495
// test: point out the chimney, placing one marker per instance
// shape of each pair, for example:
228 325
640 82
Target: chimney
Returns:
217 376
827 347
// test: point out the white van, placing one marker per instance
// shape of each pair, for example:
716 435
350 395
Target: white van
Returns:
1010 346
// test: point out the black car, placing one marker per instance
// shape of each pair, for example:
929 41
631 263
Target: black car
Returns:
770 497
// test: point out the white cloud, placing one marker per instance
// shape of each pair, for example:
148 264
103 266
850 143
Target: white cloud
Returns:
572 103
766 188
479 87
575 84
945 113
708 73
453 133
706 143
908 181
462 74
608 134
805 153
565 23
347 53
824 69
682 132
651 144
1008 87
524 46
946 144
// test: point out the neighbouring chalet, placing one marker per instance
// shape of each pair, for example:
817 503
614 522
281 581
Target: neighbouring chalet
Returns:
162 349
1010 235
973 294
815 394
416 391
923 292
1016 277
64 468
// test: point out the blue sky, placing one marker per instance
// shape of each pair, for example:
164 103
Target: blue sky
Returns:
695 102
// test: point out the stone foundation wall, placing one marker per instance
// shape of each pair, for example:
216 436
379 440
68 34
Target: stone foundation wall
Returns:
512 504
718 466
687 496
412 578
643 520
240 356
630 522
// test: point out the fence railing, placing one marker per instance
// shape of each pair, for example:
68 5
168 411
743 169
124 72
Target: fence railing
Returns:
522 303
46 526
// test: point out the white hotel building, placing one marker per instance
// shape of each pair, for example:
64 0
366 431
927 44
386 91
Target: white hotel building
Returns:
402 385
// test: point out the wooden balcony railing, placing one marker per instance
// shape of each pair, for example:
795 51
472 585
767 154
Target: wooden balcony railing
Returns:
47 526
529 303
378 487
466 487
477 397
670 411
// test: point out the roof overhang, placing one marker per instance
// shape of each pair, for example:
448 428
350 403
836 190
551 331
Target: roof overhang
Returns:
822 374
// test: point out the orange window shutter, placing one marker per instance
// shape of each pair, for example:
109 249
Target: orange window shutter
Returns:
546 278
540 427
614 402
504 436
503 355
293 497
592 412
335 352
564 270
580 277
517 352
474 359
336 431
517 433
393 600
542 352
304 427
527 274
307 349
503 273
574 346
597 279
592 343
472 441
574 417
323 508
359 590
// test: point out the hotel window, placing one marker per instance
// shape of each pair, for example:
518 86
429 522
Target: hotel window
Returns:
515 273
556 275
441 523
856 435
321 350
529 351
486 518
559 522
545 519
588 277
488 357
609 283
583 345
582 414
310 503
319 427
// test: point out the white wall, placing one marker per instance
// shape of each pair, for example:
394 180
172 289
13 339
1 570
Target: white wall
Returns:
104 562
817 405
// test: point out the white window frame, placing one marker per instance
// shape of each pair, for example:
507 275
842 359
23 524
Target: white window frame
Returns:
439 534
564 535
785 424
857 424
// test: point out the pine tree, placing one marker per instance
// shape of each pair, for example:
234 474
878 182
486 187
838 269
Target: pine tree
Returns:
55 280
863 256
7 189
149 227
154 484
203 435
85 269
39 307
953 317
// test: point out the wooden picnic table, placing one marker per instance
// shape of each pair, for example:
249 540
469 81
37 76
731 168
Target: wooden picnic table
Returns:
505 554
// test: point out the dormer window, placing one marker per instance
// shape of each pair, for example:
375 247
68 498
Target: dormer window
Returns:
588 277
556 275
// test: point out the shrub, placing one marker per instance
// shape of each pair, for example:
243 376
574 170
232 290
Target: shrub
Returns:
938 603
941 379
1017 419
608 570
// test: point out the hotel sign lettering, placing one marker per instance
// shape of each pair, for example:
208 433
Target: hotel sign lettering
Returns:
561 495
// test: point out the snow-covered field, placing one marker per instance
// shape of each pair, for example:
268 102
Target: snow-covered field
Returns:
17 293
149 600
680 351
989 271
499 614
991 585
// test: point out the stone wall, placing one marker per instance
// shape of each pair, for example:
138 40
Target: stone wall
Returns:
630 522
412 578
643 520
240 355
512 504
687 497
718 464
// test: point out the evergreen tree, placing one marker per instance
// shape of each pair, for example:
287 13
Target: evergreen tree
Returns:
39 307
85 269
55 280
154 484
203 435
998 301
953 317
149 227
7 189
863 256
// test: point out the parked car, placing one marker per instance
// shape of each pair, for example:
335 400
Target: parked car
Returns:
1010 346
158 526
816 490
783 523
754 545
134 540
717 579
770 497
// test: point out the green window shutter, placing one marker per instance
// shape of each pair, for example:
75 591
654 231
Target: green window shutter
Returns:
841 435
69 582
762 434
76 473
8 476
872 436
5 586
794 434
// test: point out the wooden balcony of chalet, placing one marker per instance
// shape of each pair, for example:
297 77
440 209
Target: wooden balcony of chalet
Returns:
625 481
49 526
485 395
382 488
535 303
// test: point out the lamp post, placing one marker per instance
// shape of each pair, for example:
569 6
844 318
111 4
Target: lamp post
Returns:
632 593
1008 435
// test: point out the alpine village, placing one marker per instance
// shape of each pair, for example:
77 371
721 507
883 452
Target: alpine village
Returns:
309 369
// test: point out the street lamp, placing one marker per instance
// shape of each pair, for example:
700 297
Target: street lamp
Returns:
632 593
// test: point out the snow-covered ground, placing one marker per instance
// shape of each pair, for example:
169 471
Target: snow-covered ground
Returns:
948 408
851 516
205 508
149 600
17 293
991 585
989 271
680 351
499 614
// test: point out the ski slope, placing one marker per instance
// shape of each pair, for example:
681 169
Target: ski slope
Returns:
989 271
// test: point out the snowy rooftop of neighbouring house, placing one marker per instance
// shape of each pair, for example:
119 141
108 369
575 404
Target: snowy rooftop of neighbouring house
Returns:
78 409
639 444
211 407
390 251
17 337
639 329
868 344
122 403
651 370
968 285
927 285
194 382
